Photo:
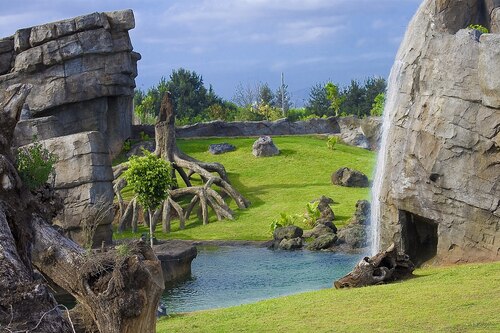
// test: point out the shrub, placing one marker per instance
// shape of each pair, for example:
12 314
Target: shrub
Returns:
312 214
378 105
35 164
479 28
332 141
127 145
144 136
283 221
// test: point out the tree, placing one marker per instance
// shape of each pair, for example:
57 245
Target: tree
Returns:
282 99
318 102
188 93
150 179
373 87
354 97
333 95
378 105
266 96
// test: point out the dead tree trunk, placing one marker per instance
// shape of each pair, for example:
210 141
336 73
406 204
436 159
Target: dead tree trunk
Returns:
384 267
25 302
210 173
115 292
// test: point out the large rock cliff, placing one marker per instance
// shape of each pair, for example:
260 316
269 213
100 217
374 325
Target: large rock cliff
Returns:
82 74
440 195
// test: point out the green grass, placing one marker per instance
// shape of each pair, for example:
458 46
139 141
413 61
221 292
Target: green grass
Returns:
283 183
462 298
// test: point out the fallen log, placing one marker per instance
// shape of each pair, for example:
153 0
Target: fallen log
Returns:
384 267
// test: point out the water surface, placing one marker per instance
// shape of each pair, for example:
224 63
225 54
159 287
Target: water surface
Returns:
228 276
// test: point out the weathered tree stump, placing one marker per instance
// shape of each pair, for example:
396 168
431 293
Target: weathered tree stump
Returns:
384 267
211 174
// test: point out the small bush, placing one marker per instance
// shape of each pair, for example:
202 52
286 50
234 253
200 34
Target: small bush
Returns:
332 141
35 164
479 28
127 145
312 214
123 250
283 221
144 136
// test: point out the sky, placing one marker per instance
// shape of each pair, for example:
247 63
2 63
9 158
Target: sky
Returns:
245 42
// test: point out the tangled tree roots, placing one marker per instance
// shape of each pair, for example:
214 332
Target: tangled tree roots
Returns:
384 267
211 174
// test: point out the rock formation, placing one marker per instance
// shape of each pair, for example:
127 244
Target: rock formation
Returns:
264 147
440 195
82 74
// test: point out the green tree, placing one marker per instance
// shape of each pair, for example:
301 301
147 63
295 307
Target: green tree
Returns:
334 96
373 87
190 97
318 103
354 97
378 105
150 178
282 99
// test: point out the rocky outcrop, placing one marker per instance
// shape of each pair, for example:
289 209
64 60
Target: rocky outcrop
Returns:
82 74
440 194
175 257
264 147
363 133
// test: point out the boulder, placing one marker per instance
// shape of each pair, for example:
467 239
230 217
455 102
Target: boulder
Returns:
322 242
175 257
327 223
291 244
324 208
350 178
220 148
354 236
287 232
264 147
362 213
439 190
317 231
138 147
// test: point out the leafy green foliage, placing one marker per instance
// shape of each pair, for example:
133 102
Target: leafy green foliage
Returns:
318 103
333 95
378 105
123 250
150 179
35 164
312 214
127 145
283 221
144 136
479 28
332 141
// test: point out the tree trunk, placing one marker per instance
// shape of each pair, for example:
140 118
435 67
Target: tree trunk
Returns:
116 292
384 267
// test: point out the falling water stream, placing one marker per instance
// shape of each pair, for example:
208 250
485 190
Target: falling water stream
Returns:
381 172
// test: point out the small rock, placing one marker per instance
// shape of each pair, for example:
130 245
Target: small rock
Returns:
220 148
349 178
288 232
327 223
322 242
362 214
291 244
264 147
324 207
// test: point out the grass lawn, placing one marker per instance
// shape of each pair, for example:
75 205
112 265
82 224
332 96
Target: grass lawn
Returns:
464 298
283 183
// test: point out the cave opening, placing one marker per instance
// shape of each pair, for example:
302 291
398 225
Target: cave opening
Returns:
419 237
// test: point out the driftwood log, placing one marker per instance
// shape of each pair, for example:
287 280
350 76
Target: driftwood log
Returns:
115 292
384 267
211 175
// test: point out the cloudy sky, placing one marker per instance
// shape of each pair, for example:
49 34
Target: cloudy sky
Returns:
246 41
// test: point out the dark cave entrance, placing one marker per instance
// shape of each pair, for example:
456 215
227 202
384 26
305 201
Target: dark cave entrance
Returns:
418 237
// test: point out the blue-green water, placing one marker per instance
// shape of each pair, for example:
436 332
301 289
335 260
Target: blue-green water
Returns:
229 276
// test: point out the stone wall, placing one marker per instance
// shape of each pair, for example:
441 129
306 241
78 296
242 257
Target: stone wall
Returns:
441 190
82 74
364 133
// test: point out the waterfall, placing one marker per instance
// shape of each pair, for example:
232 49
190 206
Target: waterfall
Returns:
389 109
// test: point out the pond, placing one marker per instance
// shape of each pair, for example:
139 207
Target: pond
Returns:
228 276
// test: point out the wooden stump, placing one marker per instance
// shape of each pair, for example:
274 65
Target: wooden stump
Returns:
384 267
